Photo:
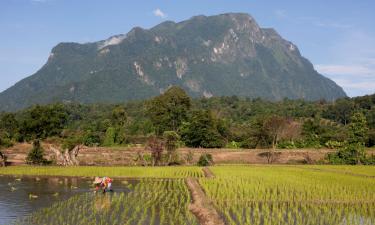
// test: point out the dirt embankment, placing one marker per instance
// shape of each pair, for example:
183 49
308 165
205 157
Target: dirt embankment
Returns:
128 156
201 206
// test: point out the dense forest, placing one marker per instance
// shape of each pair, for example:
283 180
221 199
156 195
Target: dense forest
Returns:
216 122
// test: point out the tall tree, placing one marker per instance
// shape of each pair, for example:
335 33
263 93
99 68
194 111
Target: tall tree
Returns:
358 133
274 126
171 144
202 131
43 121
169 110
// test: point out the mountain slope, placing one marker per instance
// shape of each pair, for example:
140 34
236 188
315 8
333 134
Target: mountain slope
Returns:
227 54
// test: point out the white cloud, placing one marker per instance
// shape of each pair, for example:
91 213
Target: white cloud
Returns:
157 12
351 62
358 70
355 79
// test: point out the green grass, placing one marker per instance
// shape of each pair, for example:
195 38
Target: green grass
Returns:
290 195
141 172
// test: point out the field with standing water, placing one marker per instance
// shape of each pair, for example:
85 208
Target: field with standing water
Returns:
241 194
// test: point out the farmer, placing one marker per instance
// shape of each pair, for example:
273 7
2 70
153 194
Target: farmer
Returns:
97 183
106 184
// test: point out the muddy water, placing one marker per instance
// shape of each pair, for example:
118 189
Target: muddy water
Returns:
20 196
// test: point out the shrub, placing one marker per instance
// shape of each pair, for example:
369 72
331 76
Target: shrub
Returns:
110 136
233 145
205 160
36 155
334 144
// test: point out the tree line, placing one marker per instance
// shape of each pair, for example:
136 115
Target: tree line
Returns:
217 122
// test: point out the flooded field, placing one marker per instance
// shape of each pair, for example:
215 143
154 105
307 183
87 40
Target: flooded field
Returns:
19 196
36 200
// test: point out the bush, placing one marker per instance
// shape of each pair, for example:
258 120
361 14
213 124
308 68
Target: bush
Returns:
233 145
110 136
334 144
286 145
36 155
205 160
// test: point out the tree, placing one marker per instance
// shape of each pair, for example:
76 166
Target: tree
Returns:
36 154
40 122
169 110
119 116
171 144
274 126
9 124
205 160
201 131
353 150
110 137
156 146
358 132
340 111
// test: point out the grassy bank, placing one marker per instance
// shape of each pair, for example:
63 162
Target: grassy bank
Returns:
141 172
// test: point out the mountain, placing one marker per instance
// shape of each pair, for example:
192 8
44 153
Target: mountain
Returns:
220 55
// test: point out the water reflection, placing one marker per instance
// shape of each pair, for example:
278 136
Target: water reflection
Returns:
19 196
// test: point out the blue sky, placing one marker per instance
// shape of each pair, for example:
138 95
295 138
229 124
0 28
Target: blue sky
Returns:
338 37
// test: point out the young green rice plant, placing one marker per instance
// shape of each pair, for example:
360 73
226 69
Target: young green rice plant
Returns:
91 171
290 195
149 202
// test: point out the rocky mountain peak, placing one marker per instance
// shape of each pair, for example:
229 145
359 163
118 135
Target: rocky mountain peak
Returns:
226 54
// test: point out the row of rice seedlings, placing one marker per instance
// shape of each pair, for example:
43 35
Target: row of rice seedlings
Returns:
143 172
287 184
149 202
287 195
352 169
297 213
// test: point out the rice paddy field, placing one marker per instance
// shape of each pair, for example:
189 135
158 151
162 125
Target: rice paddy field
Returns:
91 171
241 194
292 195
148 202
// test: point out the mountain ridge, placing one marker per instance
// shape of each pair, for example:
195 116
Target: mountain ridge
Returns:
222 55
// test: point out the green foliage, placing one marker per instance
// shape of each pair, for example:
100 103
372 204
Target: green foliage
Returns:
169 110
119 116
202 131
5 141
334 144
9 125
171 139
353 150
205 160
91 138
40 122
72 141
36 155
233 145
230 120
110 137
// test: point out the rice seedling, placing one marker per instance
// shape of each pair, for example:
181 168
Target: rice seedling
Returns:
355 170
149 202
290 195
89 171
